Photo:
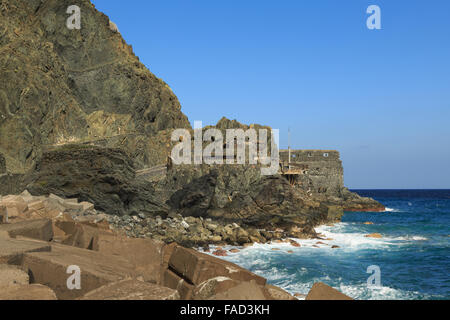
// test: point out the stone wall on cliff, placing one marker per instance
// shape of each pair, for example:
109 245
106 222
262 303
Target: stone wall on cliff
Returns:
322 171
320 175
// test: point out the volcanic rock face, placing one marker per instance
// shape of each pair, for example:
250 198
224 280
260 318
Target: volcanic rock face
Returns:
60 85
81 117
103 176
240 193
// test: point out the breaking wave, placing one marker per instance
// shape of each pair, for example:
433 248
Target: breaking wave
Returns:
412 254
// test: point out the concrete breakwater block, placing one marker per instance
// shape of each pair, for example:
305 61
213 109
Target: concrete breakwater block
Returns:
50 268
3 215
12 251
321 291
197 267
145 255
174 281
34 229
12 275
27 292
131 289
14 208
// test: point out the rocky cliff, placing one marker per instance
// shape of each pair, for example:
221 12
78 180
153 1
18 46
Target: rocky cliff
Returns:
60 85
81 117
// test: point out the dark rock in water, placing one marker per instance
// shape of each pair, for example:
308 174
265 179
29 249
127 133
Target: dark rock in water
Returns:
221 253
354 202
103 176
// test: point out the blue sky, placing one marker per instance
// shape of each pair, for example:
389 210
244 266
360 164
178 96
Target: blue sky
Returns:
380 97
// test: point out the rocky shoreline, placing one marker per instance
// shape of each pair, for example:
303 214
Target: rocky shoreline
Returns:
191 205
42 238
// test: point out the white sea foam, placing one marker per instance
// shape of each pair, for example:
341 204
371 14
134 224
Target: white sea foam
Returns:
337 235
411 238
356 291
332 236
350 240
361 291
260 258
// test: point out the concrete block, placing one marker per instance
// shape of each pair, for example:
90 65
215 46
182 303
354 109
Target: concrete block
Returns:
198 267
321 291
132 290
35 229
50 268
12 250
12 275
3 215
173 281
27 292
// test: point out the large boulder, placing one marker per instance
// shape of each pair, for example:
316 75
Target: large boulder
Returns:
242 291
197 267
103 176
35 229
131 290
12 275
12 250
145 255
96 269
239 193
174 281
321 291
27 292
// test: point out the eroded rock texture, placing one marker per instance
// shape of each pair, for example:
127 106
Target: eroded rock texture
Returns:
60 85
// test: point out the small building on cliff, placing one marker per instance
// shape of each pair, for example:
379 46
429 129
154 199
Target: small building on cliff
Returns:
315 171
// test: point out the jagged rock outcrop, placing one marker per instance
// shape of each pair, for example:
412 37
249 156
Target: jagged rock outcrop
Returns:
59 86
103 176
354 202
241 194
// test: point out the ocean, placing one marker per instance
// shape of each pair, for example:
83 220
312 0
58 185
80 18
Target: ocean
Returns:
413 256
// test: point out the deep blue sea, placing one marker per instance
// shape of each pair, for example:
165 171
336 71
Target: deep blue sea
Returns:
413 256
